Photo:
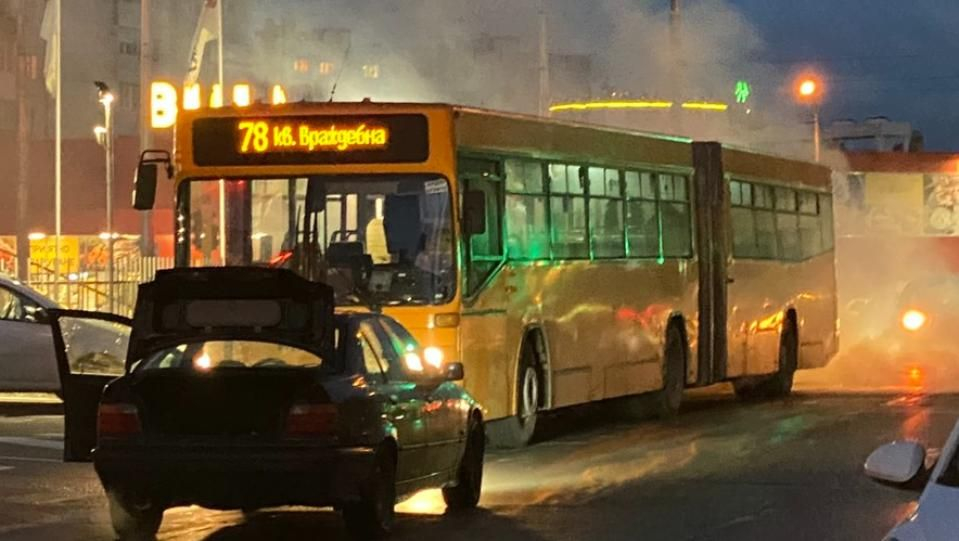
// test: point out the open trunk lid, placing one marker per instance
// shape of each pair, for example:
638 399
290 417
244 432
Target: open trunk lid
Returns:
232 303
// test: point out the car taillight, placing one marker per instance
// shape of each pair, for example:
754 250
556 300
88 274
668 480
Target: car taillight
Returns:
311 420
117 421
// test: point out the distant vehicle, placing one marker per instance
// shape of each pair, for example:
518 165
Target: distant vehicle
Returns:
27 359
240 388
904 464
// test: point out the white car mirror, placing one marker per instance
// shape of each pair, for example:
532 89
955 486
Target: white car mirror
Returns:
898 463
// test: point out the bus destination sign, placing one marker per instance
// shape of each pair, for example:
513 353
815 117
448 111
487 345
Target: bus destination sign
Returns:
310 140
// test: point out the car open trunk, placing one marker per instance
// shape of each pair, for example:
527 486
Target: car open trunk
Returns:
237 403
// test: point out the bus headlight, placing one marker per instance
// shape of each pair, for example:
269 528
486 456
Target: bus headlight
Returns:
433 356
913 320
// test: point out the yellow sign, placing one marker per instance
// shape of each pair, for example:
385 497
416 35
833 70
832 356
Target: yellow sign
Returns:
43 252
165 101
262 136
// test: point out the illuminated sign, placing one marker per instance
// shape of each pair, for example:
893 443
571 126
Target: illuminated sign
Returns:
260 136
310 139
743 91
165 101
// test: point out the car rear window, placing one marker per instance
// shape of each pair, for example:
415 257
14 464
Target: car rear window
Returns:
205 356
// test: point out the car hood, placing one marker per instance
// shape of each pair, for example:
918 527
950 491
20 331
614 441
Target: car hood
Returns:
232 303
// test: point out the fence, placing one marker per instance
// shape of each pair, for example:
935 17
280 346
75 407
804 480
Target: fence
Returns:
91 290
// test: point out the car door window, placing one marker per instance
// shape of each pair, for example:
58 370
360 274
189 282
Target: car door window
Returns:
11 305
371 360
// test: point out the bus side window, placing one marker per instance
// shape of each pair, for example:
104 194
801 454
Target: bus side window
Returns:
486 249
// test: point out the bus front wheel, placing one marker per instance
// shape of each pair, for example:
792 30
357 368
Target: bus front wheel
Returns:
517 431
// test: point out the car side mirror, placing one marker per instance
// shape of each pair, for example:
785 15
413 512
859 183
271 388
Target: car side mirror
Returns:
145 186
474 213
455 372
901 464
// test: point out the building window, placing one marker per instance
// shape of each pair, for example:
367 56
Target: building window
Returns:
371 71
129 98
326 68
6 57
129 48
301 65
30 66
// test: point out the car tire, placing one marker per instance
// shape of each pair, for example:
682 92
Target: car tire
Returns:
133 522
780 384
516 432
372 517
469 478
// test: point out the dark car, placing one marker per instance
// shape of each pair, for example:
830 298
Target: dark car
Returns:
241 388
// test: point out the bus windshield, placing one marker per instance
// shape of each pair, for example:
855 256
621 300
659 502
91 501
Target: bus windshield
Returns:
384 239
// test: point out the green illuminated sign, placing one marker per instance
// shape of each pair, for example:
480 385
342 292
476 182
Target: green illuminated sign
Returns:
743 91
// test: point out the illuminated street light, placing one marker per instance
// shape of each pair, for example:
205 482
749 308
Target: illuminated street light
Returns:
809 91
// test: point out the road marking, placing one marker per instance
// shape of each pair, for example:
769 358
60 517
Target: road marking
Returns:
31 459
32 442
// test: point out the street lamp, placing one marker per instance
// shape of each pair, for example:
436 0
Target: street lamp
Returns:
105 138
809 91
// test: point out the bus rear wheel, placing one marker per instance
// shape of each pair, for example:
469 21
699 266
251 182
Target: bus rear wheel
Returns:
517 431
665 402
780 384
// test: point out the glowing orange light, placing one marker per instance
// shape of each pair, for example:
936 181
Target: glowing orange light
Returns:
242 95
216 96
807 87
191 97
203 362
278 95
915 376
913 320
163 105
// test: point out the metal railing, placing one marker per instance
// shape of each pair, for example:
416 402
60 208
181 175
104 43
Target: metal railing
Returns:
90 290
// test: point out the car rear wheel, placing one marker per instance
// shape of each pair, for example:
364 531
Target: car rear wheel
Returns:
133 521
372 517
466 493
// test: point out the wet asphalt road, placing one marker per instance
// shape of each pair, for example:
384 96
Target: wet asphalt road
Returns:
722 470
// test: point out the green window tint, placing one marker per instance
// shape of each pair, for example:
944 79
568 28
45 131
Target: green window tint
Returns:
597 181
677 233
826 221
744 233
735 193
568 227
787 227
642 228
785 199
810 236
808 203
524 177
557 178
767 245
485 249
762 196
613 184
667 188
527 227
633 190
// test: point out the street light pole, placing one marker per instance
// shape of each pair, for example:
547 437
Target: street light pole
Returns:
106 99
816 135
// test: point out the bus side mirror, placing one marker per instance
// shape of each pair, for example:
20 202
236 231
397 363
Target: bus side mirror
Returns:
145 186
474 213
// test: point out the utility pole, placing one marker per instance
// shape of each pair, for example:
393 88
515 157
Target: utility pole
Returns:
677 64
23 144
146 134
544 98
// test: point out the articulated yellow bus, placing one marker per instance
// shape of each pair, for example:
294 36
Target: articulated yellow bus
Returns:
561 263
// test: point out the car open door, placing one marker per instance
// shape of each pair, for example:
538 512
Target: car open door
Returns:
91 349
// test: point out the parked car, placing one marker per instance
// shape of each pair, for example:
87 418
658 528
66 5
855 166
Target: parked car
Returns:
241 388
27 358
906 464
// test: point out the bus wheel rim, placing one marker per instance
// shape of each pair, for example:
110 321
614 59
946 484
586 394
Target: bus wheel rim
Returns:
529 394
